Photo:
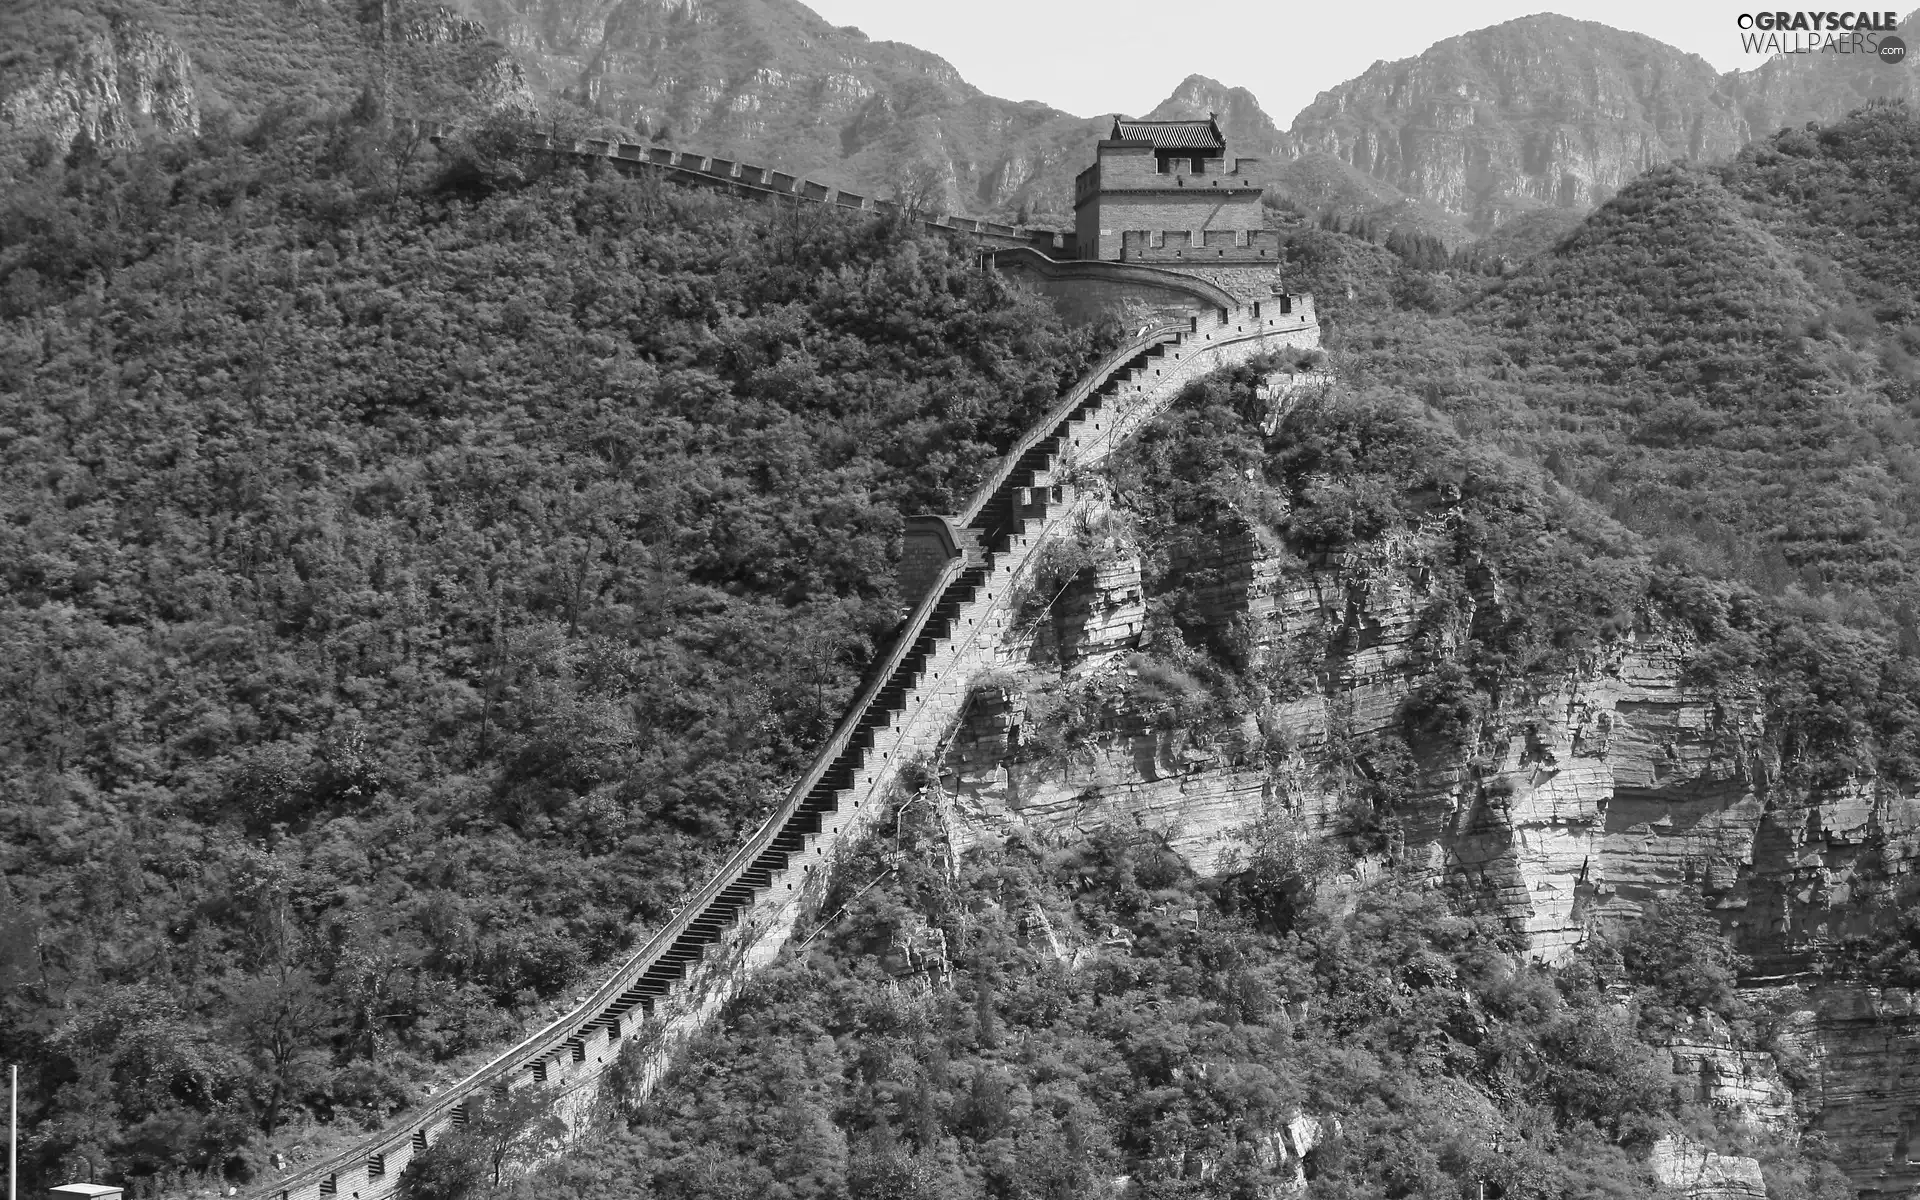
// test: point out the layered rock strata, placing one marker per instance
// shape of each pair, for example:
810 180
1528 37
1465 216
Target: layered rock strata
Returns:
1617 782
1690 1169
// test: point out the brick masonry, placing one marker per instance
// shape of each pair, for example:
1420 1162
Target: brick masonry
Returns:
1129 189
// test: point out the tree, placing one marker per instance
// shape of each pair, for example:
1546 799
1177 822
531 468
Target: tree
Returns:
1679 957
1286 861
450 1169
509 1133
516 1129
919 187
282 1020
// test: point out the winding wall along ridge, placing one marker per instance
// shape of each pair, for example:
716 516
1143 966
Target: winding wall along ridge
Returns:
744 914
746 179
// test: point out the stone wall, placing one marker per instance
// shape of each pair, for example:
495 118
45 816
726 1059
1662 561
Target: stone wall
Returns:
1197 209
1181 246
927 544
756 182
1139 167
1087 292
850 784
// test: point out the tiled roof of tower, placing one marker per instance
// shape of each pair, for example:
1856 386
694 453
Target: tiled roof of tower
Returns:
1171 135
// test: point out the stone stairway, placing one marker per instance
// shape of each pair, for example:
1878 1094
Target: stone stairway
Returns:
745 913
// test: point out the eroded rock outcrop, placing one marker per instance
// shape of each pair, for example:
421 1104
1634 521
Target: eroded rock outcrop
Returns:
1544 110
773 82
1625 778
1694 1171
118 82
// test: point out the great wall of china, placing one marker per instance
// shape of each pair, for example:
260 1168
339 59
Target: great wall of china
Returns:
693 169
967 569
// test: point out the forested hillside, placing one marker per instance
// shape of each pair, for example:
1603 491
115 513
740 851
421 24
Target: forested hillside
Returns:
1090 1019
417 567
1721 357
1688 419
415 570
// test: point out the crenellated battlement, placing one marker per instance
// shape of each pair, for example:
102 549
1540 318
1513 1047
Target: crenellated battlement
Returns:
1214 246
1175 177
1123 172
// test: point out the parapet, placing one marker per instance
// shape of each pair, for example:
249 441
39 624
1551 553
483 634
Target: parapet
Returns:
1216 246
1298 305
1143 174
1217 167
751 180
1051 242
928 543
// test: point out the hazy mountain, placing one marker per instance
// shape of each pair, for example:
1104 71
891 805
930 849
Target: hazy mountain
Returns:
1540 112
1546 111
772 80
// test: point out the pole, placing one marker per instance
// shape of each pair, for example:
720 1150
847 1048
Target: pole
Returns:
13 1132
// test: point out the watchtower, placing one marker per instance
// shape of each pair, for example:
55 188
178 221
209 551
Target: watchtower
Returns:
1171 183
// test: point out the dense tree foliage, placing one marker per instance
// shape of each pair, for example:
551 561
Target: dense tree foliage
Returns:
1719 357
1522 579
1094 1014
416 569
1052 1020
413 574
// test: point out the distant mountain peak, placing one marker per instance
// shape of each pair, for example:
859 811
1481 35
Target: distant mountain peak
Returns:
1543 110
1237 109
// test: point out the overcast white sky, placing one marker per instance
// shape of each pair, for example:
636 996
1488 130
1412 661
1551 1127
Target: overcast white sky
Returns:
1098 56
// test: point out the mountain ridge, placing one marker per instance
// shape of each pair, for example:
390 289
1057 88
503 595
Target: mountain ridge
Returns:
1543 111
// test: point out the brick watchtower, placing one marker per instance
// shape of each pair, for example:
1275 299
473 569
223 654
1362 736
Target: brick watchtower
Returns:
1164 191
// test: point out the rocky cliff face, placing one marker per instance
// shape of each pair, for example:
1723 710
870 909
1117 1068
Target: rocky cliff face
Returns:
1543 111
1250 131
163 67
1621 780
120 81
481 73
771 80
1540 111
